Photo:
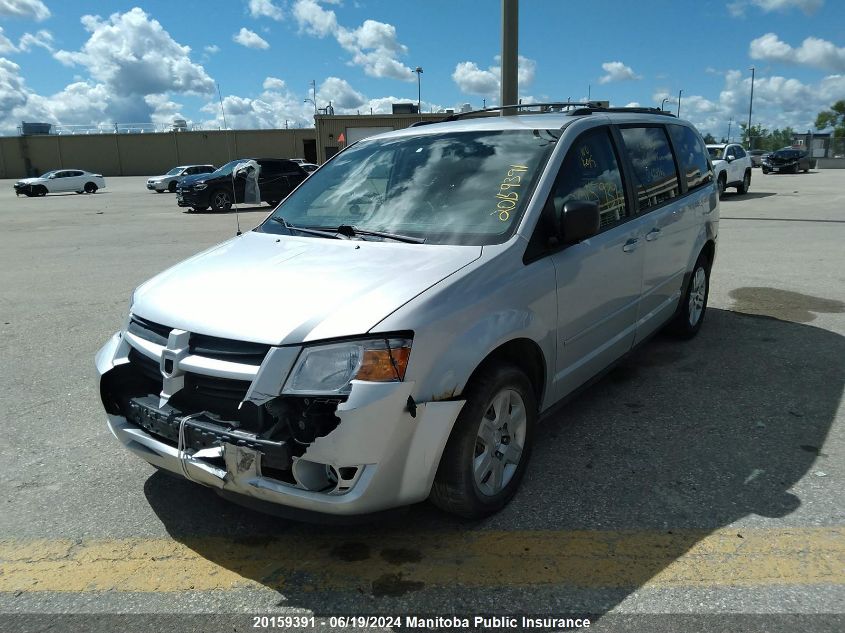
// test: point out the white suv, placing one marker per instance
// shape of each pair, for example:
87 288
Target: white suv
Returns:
732 167
393 330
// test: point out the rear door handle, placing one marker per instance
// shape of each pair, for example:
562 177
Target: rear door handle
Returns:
652 235
631 245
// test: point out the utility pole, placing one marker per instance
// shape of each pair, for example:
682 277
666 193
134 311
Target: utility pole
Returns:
730 122
510 50
680 92
750 105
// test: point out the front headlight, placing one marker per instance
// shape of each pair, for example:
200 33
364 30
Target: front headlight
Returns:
329 369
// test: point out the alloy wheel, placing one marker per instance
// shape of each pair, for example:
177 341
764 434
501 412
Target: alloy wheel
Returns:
698 289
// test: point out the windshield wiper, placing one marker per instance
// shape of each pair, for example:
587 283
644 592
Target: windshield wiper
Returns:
352 231
301 229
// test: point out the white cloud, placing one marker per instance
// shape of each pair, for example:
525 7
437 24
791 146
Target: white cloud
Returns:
473 80
273 83
340 93
6 45
738 8
163 109
617 71
31 9
133 55
42 38
813 52
211 49
265 9
250 39
374 45
314 19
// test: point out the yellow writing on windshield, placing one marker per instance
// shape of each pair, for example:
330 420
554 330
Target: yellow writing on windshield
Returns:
508 196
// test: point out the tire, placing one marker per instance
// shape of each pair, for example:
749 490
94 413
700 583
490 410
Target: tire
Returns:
477 474
41 190
693 305
90 187
171 187
765 170
221 200
744 186
722 184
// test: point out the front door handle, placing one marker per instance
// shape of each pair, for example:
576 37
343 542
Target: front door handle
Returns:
631 245
652 235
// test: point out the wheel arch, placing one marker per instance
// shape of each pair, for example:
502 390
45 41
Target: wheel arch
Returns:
524 354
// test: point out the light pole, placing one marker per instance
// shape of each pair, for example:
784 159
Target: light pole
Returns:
419 71
680 92
730 122
663 102
750 105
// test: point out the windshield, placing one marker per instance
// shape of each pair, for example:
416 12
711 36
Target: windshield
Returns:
716 152
174 171
226 169
47 174
457 188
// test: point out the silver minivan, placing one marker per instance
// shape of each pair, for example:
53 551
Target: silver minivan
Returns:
394 329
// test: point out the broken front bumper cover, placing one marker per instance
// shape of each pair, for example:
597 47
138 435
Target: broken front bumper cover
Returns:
394 452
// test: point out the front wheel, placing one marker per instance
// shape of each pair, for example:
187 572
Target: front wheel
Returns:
487 452
221 200
746 183
90 187
690 315
171 187
765 170
723 183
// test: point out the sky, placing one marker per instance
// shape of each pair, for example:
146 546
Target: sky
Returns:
150 61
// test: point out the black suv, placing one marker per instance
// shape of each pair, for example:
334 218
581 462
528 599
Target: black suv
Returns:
787 160
277 177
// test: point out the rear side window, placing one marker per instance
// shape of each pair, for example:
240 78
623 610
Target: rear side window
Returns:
692 156
656 179
590 172
271 167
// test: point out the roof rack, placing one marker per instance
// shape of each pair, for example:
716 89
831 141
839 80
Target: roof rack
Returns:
552 106
572 108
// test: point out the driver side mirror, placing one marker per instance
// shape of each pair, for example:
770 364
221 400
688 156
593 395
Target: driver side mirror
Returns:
729 157
579 220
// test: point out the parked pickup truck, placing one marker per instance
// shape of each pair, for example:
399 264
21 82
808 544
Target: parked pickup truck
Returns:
731 166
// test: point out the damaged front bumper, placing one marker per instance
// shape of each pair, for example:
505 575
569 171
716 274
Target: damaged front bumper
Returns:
380 455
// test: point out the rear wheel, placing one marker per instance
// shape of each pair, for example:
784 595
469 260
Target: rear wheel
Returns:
690 316
487 452
90 187
221 200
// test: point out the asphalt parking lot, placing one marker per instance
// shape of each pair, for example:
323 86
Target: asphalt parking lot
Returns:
705 477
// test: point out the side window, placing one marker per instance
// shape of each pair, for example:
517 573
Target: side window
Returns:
739 152
270 168
206 169
590 172
692 155
654 169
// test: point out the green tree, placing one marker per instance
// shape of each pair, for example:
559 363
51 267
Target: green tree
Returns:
835 118
780 138
709 138
759 135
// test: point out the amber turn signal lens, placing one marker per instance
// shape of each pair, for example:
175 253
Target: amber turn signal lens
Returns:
384 365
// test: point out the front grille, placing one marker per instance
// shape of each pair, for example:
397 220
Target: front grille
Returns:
145 366
148 330
227 349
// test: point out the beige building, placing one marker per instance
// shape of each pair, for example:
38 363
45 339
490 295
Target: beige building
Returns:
156 152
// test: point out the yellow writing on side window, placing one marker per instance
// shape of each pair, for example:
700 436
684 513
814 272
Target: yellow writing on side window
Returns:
508 196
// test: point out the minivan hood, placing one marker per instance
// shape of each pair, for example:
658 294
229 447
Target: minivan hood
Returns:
276 289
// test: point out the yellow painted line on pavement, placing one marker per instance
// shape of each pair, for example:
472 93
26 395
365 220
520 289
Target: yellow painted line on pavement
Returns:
591 559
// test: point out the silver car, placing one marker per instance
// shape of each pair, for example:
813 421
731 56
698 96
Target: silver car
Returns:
395 327
168 181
